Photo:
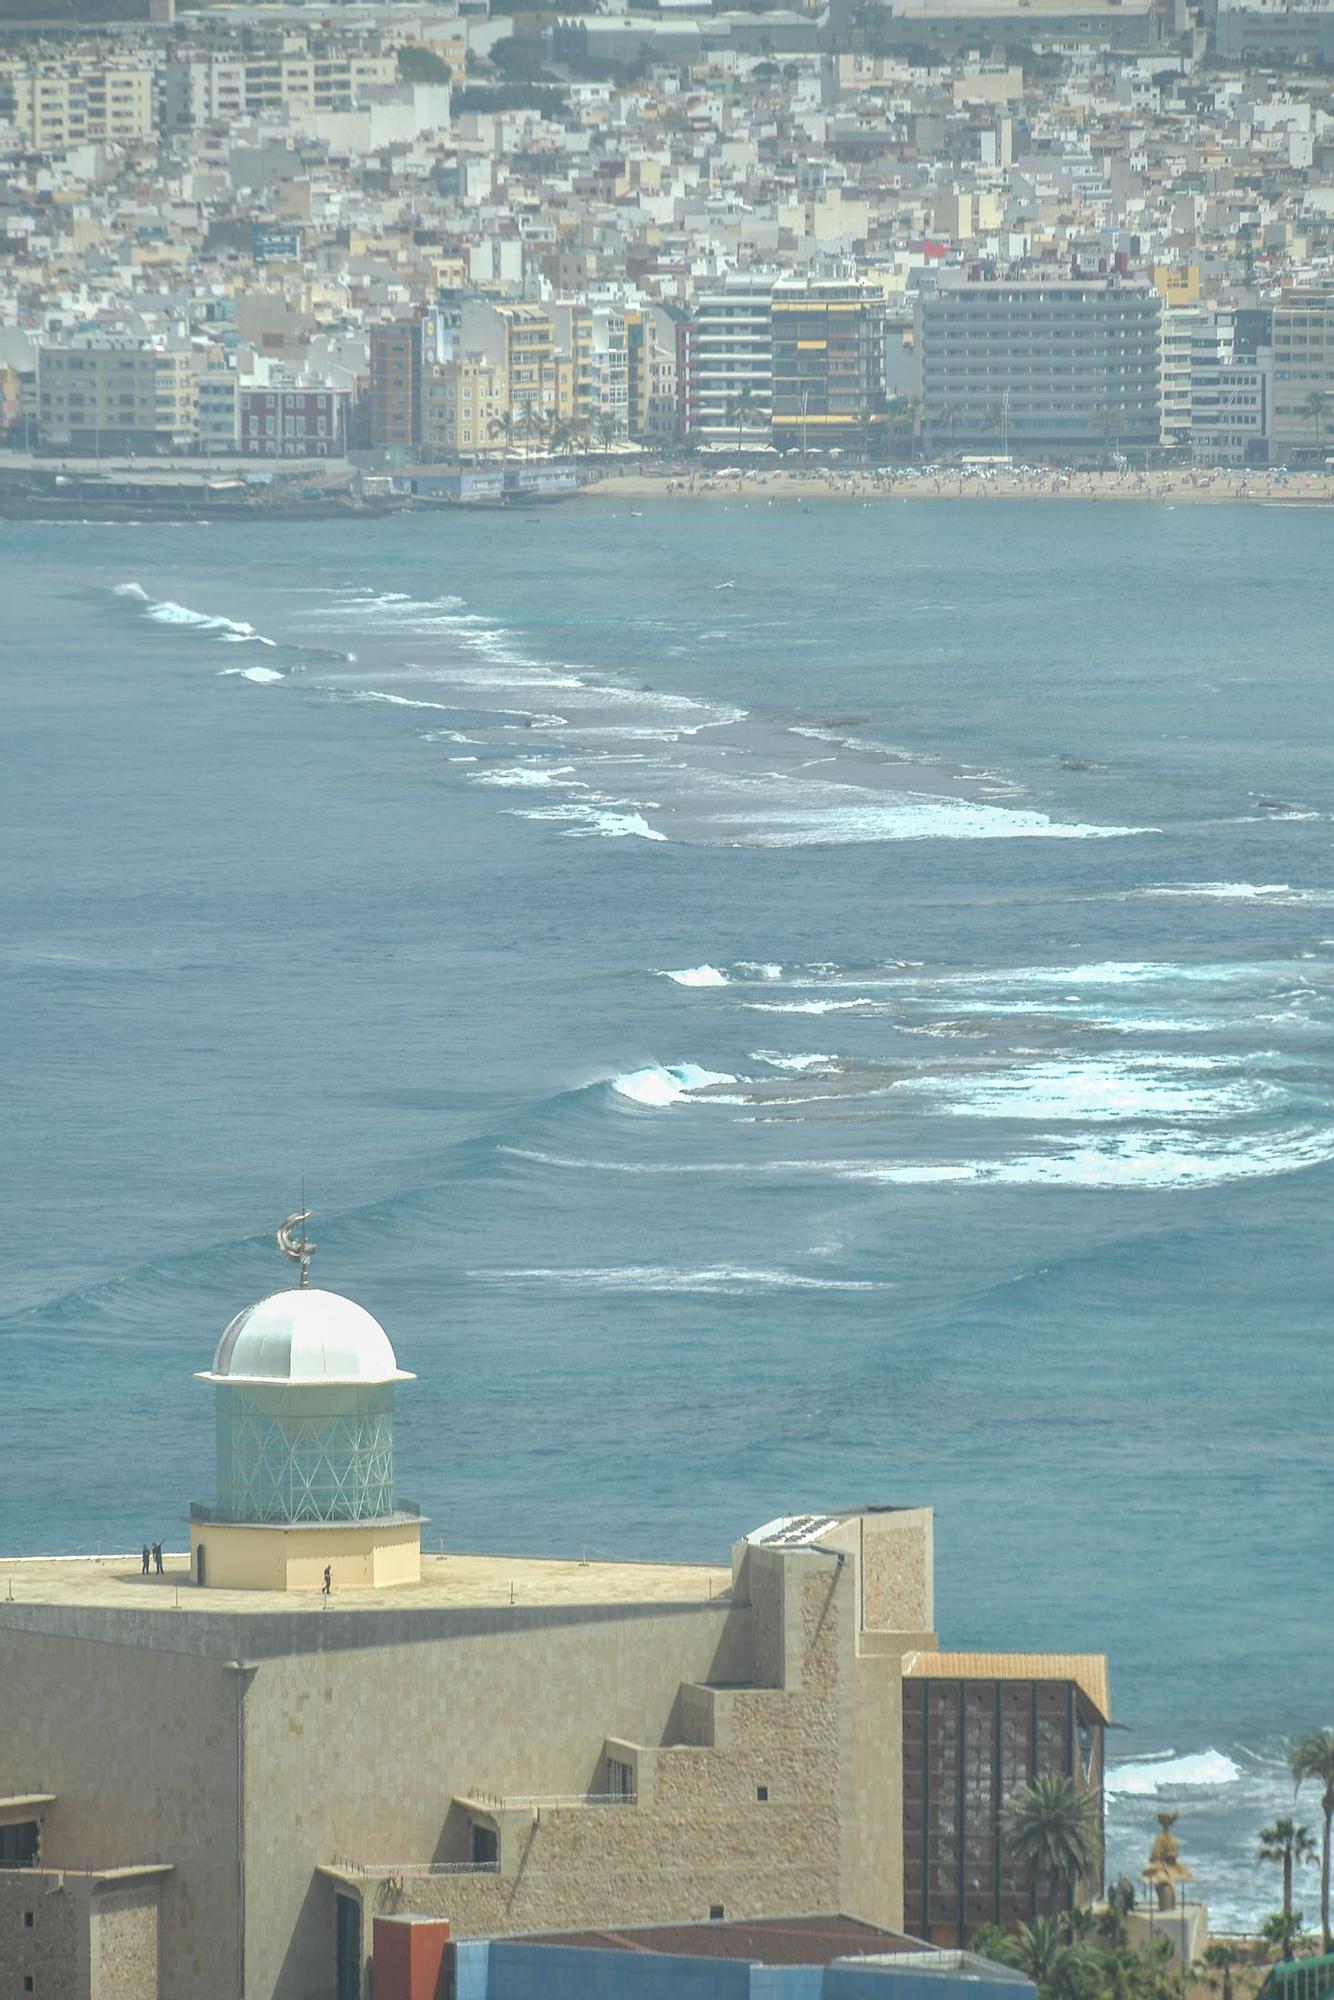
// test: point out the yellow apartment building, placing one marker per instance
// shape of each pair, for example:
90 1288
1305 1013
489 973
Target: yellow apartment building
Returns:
63 103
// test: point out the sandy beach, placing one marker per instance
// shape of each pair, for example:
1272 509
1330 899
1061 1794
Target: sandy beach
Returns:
1186 486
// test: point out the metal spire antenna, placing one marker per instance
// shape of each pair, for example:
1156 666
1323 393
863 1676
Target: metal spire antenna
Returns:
299 1248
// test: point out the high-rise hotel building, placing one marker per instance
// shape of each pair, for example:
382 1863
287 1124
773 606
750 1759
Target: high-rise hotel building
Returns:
1056 367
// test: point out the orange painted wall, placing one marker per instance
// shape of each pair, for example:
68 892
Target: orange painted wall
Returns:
409 1959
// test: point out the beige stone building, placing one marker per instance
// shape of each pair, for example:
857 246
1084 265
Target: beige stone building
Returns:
208 1792
104 392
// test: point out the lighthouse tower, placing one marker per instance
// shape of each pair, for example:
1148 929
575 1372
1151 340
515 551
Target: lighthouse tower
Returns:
304 1385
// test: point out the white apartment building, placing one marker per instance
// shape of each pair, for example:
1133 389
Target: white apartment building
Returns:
610 383
212 90
1230 392
1180 325
735 361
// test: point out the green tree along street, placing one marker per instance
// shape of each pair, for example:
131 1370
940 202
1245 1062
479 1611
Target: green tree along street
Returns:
1313 1758
417 64
1289 1844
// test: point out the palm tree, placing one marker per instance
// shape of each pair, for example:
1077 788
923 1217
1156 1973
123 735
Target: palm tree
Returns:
1315 407
1291 1844
1052 1825
1284 1928
1215 1968
741 408
1313 1757
562 437
530 424
503 427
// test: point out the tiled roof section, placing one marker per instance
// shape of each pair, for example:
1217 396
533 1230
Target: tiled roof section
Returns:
814 1940
1087 1670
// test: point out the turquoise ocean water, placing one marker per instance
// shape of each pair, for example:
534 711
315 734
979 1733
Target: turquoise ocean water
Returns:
776 1007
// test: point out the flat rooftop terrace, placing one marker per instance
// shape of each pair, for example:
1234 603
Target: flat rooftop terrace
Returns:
448 1583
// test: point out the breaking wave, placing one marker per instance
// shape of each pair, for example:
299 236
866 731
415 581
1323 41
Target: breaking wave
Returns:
660 1085
164 611
698 975
1206 1770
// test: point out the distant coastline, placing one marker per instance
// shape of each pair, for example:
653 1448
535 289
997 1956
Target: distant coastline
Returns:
172 494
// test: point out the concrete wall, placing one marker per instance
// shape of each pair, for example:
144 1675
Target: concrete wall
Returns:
140 1749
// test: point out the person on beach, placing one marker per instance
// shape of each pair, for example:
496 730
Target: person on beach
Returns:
328 1580
157 1558
145 1568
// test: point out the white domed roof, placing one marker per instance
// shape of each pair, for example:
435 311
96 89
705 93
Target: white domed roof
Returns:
305 1336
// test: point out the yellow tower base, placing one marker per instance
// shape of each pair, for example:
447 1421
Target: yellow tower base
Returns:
362 1555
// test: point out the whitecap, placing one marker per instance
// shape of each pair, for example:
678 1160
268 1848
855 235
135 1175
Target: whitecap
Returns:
697 975
660 1085
261 674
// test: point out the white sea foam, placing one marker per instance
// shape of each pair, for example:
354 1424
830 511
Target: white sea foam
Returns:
810 1006
1095 1091
661 1085
1147 1777
398 701
764 967
1134 1161
524 777
592 820
261 674
698 975
1280 893
723 1278
776 1060
903 817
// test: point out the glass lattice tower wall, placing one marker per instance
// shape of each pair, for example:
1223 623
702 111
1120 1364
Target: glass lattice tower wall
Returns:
290 1452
